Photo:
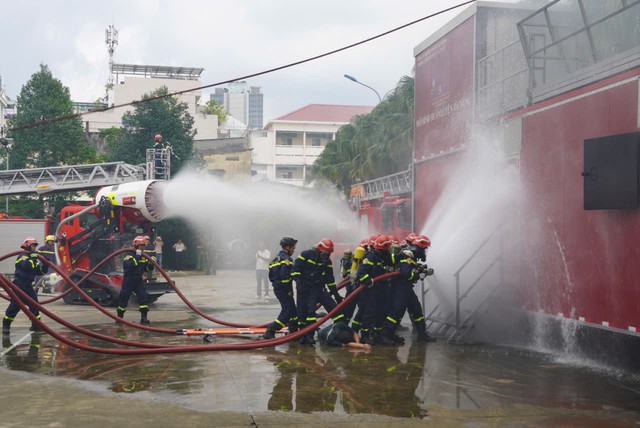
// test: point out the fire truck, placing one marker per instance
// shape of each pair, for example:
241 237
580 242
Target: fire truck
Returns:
384 204
124 206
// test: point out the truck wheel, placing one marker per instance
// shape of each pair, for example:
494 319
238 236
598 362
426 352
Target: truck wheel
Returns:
110 299
68 299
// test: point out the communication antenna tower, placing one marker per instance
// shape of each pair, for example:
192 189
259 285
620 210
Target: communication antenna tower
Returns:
111 39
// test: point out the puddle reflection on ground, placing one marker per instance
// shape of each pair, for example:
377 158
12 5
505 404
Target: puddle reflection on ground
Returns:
400 382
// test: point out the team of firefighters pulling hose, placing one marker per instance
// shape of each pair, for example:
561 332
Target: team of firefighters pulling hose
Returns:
379 277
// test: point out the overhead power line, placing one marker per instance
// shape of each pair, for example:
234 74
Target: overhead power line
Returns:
248 76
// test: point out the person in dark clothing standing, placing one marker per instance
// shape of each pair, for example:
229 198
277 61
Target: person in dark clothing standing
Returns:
48 252
27 267
371 301
418 250
280 277
312 270
135 265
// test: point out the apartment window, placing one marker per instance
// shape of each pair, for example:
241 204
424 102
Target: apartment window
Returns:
286 173
286 138
315 142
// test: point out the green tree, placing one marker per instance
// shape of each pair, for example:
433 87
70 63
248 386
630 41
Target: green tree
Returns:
164 115
63 142
372 145
213 107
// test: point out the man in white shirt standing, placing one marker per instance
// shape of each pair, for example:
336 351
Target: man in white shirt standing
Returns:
263 257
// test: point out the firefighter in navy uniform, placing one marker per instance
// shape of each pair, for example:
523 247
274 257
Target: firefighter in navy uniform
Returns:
158 147
149 251
48 252
135 265
311 271
371 302
356 260
27 267
410 272
418 249
280 277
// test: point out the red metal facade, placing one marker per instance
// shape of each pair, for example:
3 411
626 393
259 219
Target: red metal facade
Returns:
581 263
443 112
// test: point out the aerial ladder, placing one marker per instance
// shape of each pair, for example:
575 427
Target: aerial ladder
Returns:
71 178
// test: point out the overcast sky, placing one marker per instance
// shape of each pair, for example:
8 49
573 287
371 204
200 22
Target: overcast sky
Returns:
229 39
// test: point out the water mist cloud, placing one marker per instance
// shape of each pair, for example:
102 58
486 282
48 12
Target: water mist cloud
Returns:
255 211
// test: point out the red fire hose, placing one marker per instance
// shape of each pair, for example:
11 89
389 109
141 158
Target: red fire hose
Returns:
15 291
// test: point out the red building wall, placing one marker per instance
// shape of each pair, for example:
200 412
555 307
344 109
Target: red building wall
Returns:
443 112
580 263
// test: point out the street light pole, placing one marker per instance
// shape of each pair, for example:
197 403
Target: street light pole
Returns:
353 79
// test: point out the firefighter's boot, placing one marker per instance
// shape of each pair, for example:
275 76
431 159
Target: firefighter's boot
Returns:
35 327
386 337
423 336
6 326
293 326
143 318
307 339
119 314
270 333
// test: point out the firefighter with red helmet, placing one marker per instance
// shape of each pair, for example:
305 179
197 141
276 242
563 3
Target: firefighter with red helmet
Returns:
311 272
371 302
417 250
28 266
135 265
280 277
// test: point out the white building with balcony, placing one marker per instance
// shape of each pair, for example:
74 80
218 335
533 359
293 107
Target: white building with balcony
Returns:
285 150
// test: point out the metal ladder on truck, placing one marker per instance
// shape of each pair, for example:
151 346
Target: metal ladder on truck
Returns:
393 184
68 178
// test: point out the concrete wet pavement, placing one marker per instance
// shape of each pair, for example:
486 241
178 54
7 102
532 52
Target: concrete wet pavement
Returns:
45 383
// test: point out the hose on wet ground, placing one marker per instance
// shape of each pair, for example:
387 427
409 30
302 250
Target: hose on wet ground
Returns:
15 293
75 286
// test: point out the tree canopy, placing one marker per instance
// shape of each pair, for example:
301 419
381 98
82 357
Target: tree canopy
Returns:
44 98
166 116
213 107
372 145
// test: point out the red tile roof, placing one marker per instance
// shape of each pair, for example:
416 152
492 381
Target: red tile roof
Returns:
325 113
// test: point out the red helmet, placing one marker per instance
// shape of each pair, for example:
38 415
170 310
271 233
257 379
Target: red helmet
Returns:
29 241
372 239
158 137
422 241
325 245
382 242
410 237
139 240
394 239
364 243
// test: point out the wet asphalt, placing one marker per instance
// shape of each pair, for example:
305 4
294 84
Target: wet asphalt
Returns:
46 383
